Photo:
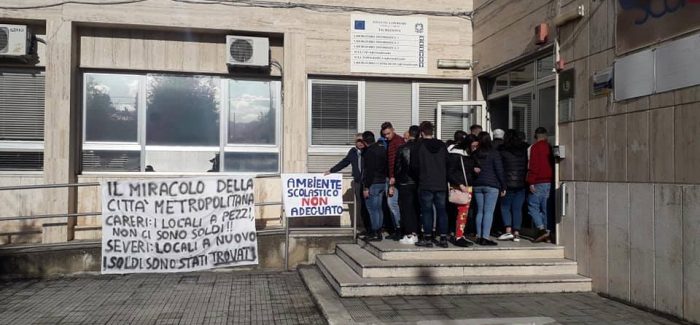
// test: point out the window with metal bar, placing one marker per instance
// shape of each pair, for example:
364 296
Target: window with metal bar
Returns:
21 119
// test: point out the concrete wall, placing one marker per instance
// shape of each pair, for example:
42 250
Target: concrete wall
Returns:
632 213
171 36
85 257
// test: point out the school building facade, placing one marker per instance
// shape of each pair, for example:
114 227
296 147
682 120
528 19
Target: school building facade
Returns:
110 92
628 208
152 89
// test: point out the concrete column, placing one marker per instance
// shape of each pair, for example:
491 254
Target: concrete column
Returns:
295 115
59 121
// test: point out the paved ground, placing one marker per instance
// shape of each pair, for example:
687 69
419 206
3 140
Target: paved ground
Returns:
565 308
278 298
197 298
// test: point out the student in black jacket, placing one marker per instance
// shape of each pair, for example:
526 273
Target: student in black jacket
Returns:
514 157
354 159
374 176
432 185
406 175
487 186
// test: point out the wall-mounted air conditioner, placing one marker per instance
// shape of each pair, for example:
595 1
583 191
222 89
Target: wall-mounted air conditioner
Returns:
15 40
246 51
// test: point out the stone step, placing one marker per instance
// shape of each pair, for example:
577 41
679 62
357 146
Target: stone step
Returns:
392 250
368 265
349 284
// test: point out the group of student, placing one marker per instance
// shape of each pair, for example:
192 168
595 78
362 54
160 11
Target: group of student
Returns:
420 178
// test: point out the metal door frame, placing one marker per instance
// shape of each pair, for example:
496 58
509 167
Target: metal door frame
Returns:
440 105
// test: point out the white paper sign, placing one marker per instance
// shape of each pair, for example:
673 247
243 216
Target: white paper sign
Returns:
178 225
388 44
307 195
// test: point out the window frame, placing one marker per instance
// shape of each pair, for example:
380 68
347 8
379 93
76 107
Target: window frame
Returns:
143 148
333 149
25 145
341 150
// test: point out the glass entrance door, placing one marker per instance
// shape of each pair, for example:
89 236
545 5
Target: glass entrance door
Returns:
456 116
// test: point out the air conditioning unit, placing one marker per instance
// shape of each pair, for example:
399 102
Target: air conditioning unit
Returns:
247 52
15 40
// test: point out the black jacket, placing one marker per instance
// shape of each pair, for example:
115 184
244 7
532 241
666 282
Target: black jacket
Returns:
432 165
514 165
405 164
374 165
491 169
454 171
350 159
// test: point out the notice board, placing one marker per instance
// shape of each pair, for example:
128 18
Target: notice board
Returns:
388 44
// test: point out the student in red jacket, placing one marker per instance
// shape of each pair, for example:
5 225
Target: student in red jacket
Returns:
540 174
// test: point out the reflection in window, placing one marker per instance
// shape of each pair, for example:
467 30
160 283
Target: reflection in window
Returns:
251 162
522 75
111 108
545 67
182 111
182 161
252 116
500 83
174 124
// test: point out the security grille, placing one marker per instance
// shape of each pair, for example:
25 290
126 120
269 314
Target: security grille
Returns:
21 106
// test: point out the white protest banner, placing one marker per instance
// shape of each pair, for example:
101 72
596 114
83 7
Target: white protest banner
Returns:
388 44
307 195
178 225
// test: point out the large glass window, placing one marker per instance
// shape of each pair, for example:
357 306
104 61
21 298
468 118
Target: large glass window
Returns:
182 111
176 123
251 117
334 107
111 108
522 75
21 120
545 66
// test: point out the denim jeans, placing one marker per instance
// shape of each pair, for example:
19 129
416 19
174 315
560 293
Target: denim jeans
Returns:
486 198
428 199
537 204
512 208
393 202
374 205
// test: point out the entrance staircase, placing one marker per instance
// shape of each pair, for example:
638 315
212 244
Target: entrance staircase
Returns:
388 268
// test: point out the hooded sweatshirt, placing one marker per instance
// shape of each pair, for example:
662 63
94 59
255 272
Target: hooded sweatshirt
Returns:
432 165
454 172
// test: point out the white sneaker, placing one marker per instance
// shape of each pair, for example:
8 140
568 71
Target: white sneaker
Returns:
506 236
406 240
413 238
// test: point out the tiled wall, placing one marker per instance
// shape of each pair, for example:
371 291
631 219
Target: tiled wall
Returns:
638 241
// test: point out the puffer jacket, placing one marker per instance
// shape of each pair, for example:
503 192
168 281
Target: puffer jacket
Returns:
491 174
514 165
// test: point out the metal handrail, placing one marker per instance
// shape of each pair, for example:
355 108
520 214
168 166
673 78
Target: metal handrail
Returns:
34 187
88 214
285 229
